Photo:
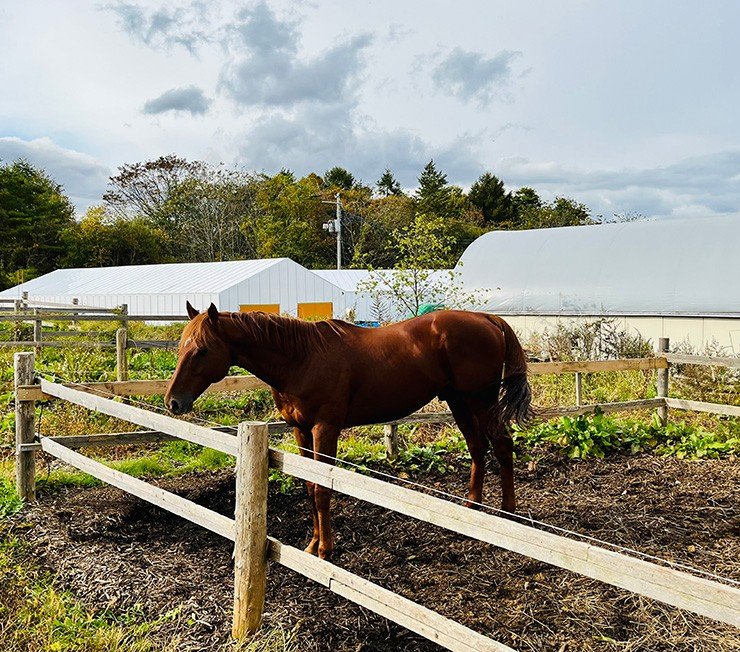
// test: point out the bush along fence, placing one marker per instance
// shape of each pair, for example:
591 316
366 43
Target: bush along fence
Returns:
253 547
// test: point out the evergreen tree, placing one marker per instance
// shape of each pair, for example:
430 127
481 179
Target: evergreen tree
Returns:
488 195
388 185
525 198
339 178
433 193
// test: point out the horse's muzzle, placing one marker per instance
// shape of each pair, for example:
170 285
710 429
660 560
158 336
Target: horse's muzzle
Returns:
180 405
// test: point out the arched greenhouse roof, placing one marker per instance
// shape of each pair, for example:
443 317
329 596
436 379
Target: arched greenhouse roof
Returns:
661 267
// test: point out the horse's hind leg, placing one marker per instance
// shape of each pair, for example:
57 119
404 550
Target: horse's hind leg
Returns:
477 442
503 449
305 443
325 450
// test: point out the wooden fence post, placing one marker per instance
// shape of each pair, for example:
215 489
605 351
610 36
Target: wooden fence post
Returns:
25 412
579 389
250 546
662 380
121 358
37 333
390 437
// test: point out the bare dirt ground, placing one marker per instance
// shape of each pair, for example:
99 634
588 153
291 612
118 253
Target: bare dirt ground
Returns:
114 550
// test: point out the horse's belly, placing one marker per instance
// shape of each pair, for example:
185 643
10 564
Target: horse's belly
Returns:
389 401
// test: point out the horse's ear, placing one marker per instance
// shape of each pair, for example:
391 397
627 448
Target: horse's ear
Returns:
192 312
213 314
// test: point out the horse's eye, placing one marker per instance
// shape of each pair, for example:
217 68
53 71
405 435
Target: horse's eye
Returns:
201 352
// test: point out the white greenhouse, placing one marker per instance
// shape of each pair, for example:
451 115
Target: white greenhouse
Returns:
274 285
663 278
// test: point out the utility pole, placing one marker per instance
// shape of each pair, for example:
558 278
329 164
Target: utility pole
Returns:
335 226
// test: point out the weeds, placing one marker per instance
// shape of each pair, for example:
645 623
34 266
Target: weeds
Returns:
600 435
10 502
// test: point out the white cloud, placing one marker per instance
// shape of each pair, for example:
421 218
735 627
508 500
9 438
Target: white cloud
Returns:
705 184
82 176
274 73
191 100
473 76
164 25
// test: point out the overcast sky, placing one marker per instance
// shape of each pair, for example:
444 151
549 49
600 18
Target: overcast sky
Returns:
629 107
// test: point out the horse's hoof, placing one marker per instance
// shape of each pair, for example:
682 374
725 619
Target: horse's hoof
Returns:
326 555
313 547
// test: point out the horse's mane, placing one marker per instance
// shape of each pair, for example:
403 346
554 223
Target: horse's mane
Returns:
294 336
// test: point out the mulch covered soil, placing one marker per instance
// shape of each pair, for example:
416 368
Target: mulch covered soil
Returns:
114 550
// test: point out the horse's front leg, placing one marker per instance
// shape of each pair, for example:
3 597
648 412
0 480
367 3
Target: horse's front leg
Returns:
304 439
325 450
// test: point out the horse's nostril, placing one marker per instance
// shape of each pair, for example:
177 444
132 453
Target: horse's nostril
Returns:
174 406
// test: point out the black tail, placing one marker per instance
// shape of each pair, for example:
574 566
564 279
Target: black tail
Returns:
515 398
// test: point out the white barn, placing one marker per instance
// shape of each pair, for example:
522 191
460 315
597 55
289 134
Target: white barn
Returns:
275 285
663 278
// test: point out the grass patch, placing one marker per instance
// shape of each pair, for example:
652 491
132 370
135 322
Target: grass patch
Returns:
37 617
276 639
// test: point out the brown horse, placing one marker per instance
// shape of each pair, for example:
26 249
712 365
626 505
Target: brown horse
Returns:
330 375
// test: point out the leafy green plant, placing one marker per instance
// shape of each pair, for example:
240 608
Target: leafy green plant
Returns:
286 483
601 435
10 502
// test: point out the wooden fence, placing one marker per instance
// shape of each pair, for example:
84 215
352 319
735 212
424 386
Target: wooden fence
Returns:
23 312
248 530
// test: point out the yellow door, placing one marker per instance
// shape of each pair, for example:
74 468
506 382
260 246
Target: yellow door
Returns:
316 311
264 307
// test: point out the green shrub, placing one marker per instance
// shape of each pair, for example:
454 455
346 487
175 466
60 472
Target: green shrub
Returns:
600 435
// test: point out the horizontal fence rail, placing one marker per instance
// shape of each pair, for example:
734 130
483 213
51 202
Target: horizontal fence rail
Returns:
673 587
92 344
703 360
677 588
405 612
594 366
181 429
57 316
700 406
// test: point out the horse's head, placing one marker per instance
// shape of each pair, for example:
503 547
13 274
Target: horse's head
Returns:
203 357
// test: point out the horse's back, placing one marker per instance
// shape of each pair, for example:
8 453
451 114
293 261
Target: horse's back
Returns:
401 367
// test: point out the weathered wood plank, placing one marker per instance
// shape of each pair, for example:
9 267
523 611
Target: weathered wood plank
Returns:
121 358
56 316
668 585
621 406
66 345
700 406
250 516
593 366
703 360
429 624
181 429
25 416
187 509
145 387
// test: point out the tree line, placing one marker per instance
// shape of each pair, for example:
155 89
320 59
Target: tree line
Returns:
174 210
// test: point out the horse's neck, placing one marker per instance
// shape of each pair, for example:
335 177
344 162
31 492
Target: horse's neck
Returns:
261 355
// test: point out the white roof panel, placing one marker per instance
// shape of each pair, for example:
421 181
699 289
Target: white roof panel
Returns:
344 279
170 278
